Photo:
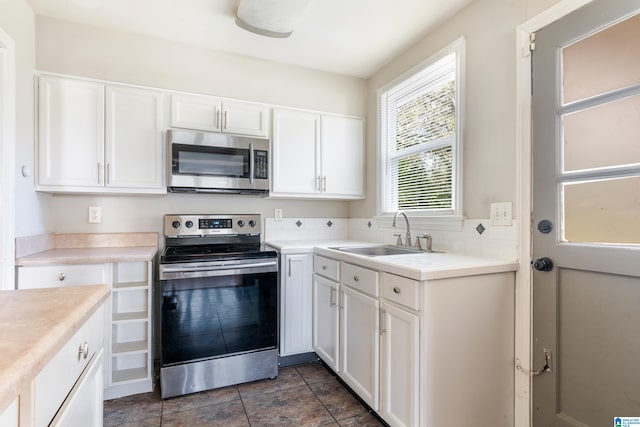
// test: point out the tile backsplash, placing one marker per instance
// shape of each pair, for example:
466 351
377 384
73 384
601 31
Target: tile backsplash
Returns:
487 240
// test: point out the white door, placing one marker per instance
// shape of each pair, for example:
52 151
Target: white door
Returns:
134 141
296 305
71 132
586 210
342 156
326 321
296 145
399 366
360 344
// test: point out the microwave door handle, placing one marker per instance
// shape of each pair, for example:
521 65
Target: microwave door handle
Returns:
251 164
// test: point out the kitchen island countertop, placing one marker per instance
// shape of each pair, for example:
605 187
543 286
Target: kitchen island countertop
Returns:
35 324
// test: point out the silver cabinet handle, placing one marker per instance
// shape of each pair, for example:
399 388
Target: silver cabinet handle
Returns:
382 313
217 124
83 350
324 267
98 172
324 183
332 302
318 179
61 277
108 170
396 290
356 279
289 267
226 119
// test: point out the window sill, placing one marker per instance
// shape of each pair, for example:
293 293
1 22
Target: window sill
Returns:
439 223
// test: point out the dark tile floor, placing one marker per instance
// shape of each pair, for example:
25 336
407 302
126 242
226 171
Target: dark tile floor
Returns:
303 395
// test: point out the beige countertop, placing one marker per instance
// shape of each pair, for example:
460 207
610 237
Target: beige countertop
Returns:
88 255
35 324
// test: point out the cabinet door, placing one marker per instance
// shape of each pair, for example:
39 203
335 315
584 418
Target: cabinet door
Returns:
399 366
70 132
326 321
134 143
359 344
83 406
342 156
296 139
295 334
196 112
245 118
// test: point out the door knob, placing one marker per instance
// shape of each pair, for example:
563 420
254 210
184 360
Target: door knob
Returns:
543 264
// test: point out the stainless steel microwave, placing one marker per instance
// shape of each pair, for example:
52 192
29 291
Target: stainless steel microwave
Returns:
206 162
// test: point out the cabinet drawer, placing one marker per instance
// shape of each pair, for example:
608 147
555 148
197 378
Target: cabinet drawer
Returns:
401 290
326 267
360 278
51 276
55 381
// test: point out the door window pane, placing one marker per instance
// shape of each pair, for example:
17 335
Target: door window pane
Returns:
602 211
602 136
602 62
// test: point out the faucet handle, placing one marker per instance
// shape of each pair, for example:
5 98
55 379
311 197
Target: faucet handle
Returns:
429 240
399 239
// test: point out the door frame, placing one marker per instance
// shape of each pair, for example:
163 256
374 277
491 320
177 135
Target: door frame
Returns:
7 160
524 206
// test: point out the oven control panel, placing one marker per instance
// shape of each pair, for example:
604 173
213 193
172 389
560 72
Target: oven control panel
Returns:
207 225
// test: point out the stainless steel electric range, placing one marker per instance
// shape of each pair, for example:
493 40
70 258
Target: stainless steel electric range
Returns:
219 303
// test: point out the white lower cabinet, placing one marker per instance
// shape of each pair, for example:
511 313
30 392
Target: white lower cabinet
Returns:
128 358
359 344
399 365
83 407
295 294
10 416
326 321
419 353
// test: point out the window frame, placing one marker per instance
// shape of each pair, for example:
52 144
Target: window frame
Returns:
439 216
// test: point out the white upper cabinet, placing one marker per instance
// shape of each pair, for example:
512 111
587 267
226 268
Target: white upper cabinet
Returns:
71 132
317 155
296 143
134 143
343 156
99 138
213 114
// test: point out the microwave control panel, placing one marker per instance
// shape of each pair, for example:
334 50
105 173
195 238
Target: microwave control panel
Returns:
260 165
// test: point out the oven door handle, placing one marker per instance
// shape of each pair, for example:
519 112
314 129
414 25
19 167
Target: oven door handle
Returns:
252 165
209 267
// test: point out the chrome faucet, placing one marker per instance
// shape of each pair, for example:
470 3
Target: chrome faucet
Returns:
406 219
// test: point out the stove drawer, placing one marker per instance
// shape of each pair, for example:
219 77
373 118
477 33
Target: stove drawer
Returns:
51 276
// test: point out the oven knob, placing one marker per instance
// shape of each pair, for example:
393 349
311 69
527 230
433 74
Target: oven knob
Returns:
252 223
189 224
241 223
176 224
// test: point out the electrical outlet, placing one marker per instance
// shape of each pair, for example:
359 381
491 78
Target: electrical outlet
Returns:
95 215
277 214
500 214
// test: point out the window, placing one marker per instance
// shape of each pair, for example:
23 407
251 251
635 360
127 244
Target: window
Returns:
420 124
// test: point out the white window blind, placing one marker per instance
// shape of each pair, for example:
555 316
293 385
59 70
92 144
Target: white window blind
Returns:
419 139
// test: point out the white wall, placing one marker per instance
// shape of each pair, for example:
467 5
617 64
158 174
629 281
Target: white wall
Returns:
67 48
490 100
33 210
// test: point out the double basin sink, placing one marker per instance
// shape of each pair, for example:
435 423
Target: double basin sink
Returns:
381 250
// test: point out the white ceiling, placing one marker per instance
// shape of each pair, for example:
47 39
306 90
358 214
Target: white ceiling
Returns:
351 37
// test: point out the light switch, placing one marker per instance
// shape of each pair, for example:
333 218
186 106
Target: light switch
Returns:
277 214
501 214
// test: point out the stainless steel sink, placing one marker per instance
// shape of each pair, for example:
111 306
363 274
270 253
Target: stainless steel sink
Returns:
381 250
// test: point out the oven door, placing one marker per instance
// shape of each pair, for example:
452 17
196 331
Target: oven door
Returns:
220 315
217 162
